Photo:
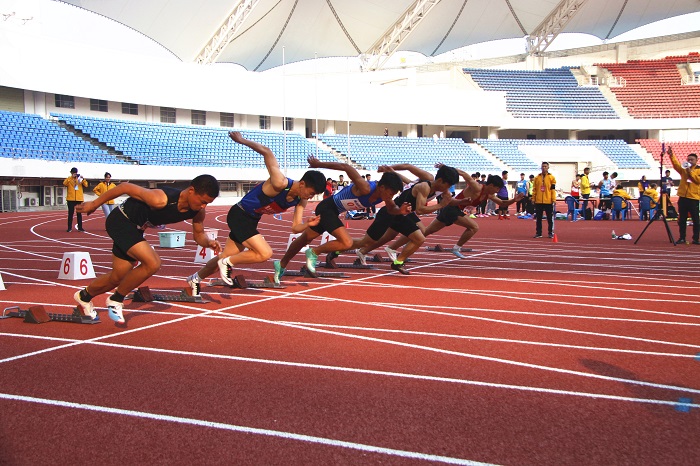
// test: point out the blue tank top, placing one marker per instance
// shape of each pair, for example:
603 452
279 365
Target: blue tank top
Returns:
345 200
256 203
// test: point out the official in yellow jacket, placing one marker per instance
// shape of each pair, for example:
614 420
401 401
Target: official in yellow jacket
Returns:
74 196
544 196
101 188
688 195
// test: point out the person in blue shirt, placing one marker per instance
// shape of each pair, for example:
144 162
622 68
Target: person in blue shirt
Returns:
606 187
521 188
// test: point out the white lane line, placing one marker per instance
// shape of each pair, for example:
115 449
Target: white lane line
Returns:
244 429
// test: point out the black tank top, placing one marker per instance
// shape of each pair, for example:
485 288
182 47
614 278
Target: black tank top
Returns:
407 196
144 216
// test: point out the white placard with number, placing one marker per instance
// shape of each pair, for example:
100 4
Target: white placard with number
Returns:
76 266
326 237
203 254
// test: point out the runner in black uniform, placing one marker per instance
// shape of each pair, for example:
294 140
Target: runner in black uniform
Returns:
145 208
245 244
386 226
360 194
473 195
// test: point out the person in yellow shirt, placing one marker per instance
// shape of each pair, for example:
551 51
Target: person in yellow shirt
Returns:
102 188
544 196
585 190
688 195
74 196
654 195
618 191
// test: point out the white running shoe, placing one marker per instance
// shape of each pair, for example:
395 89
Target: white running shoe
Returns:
225 271
456 250
114 309
194 282
361 257
391 253
88 309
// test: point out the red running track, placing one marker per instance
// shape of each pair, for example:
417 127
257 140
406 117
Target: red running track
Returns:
583 351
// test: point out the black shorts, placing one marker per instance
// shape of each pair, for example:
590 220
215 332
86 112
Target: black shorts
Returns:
328 212
241 225
404 224
448 215
124 233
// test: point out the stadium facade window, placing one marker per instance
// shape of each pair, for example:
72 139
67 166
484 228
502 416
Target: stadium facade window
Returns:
130 109
199 117
226 120
99 105
247 186
65 101
264 122
167 115
288 124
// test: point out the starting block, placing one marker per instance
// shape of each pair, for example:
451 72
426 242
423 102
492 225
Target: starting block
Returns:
2 284
267 282
438 248
355 265
76 266
144 295
305 273
378 258
38 315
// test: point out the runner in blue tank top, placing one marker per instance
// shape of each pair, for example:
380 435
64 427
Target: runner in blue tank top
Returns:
145 208
358 195
245 244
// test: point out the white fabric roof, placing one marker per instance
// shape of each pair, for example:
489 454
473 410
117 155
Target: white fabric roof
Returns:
306 28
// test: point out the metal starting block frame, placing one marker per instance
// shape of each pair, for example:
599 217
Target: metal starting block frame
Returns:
144 295
38 315
266 282
304 273
438 248
355 265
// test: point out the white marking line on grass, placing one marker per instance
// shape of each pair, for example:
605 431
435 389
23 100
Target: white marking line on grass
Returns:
244 429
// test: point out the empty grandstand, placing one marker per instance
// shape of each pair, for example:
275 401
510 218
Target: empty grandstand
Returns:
552 93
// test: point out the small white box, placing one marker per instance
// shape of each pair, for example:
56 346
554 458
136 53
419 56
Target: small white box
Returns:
171 239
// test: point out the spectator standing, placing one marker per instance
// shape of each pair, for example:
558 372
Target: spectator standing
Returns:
688 195
503 195
341 182
606 187
585 189
75 184
101 188
576 187
643 184
544 195
521 188
666 183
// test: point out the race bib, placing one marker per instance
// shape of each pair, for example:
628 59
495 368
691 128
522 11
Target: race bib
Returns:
352 204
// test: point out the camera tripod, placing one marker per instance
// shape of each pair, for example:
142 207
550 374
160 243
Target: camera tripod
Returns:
660 209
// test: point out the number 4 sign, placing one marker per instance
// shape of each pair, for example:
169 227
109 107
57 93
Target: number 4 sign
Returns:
203 254
76 266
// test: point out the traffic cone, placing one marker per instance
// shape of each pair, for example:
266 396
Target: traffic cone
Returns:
554 238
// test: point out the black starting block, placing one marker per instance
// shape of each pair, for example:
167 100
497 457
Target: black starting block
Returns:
355 265
378 258
144 295
38 315
267 282
438 248
305 273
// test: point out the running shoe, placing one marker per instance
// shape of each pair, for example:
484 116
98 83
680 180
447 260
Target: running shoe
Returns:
391 253
456 250
361 257
225 270
311 259
537 236
330 257
279 271
87 308
472 216
195 286
114 309
399 267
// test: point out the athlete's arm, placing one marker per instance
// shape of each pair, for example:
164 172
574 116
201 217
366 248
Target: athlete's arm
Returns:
200 236
298 224
419 173
277 181
508 202
421 191
155 198
360 185
388 168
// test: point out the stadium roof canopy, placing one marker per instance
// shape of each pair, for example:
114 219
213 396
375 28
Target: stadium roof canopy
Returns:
252 33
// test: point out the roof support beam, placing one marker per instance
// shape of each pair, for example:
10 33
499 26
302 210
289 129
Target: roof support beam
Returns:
377 55
552 25
226 32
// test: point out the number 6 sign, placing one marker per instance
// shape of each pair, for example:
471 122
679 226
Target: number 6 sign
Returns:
76 266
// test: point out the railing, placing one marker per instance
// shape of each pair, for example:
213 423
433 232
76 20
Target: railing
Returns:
610 81
690 80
